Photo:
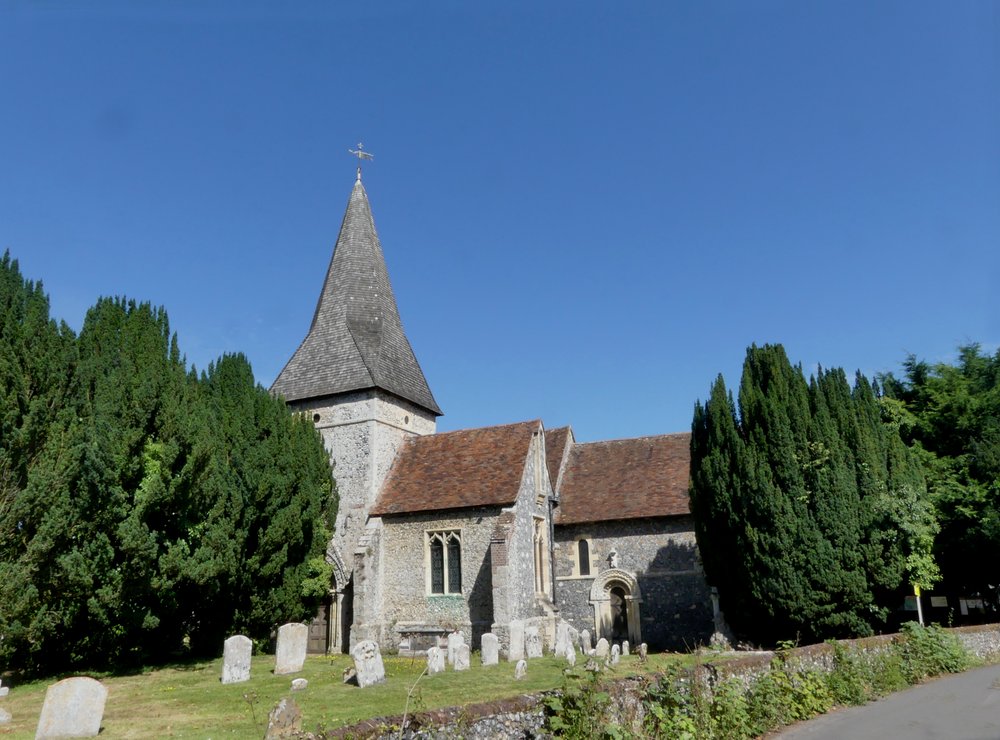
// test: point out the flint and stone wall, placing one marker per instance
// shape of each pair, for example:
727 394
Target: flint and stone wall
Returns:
676 609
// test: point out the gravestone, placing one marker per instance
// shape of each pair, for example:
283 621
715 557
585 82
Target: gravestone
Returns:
585 645
642 652
602 650
299 684
521 669
455 640
616 654
291 651
625 647
462 658
285 720
5 716
368 663
532 642
4 690
435 661
73 707
516 650
562 639
236 659
571 656
490 649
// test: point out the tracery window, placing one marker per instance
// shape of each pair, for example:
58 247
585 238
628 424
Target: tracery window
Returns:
444 554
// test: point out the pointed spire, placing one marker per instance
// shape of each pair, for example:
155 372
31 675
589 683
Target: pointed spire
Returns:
356 340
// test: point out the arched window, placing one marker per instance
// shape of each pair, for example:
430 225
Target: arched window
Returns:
583 557
444 557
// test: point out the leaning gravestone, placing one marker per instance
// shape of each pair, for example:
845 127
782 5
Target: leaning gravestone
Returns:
236 659
368 663
532 641
521 669
516 651
285 720
585 645
435 661
625 647
462 658
455 640
73 707
642 652
602 650
490 649
616 654
291 652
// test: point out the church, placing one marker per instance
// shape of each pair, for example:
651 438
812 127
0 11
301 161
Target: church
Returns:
471 530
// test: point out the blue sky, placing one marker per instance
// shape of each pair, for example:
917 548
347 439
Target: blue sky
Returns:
588 209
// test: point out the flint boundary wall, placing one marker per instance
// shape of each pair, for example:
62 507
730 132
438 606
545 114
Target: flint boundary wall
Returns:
524 716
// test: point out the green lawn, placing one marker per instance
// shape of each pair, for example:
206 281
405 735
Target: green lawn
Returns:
190 701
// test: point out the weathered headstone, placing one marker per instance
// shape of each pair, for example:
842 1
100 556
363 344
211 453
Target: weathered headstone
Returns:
532 641
5 716
236 653
516 650
291 651
73 707
625 647
368 663
462 658
521 669
435 661
562 639
299 684
602 650
571 656
585 645
616 654
285 720
490 649
455 640
642 652
4 690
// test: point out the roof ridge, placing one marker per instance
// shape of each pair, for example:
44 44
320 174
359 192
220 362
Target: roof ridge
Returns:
633 439
491 426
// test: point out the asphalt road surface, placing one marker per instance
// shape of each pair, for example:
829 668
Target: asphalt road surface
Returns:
962 707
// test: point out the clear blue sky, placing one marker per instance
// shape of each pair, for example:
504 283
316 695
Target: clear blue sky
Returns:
589 209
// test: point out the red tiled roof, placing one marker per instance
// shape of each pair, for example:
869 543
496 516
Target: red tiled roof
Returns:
454 470
626 479
555 451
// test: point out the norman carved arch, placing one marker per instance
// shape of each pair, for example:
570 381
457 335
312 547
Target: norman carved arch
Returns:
340 572
615 597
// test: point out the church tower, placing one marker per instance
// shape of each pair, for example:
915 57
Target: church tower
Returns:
355 375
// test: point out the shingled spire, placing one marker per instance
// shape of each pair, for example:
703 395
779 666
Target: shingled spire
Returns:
356 340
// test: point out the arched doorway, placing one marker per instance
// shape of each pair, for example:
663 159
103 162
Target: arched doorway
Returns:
616 599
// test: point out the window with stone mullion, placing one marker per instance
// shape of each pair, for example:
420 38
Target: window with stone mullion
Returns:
437 565
454 565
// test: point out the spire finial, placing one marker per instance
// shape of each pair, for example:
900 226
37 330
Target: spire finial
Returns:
362 155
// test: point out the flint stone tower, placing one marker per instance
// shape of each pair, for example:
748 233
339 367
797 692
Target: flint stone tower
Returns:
355 375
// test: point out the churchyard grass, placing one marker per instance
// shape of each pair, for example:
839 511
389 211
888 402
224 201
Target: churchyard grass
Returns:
190 700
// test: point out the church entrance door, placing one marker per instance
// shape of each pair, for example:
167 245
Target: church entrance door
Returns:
615 598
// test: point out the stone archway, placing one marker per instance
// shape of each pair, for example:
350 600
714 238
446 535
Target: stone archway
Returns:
616 598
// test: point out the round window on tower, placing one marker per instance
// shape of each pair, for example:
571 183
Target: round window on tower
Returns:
406 419
316 418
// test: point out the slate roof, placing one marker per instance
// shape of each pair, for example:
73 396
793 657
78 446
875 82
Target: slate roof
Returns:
625 479
454 470
356 340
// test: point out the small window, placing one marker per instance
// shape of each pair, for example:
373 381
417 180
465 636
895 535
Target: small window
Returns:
444 551
583 557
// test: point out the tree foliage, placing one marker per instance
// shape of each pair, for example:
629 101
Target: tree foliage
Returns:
810 513
145 510
950 416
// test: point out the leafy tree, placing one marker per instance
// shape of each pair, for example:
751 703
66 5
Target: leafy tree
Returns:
809 511
950 416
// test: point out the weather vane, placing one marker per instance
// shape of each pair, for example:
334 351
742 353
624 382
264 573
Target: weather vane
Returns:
362 155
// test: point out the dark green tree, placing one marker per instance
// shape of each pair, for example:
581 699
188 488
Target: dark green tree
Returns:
794 497
949 413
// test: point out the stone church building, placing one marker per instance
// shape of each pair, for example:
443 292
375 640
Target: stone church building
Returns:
469 530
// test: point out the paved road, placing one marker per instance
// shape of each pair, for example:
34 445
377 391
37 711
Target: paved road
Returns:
962 707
